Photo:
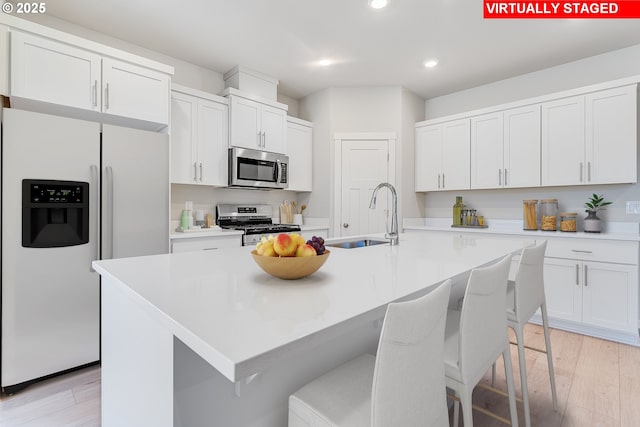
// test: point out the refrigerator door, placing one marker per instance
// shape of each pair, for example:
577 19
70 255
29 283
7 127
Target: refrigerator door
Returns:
135 192
50 296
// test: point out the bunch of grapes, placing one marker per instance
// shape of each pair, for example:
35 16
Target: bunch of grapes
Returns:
317 243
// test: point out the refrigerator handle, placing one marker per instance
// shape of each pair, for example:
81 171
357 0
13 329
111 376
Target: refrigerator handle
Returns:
109 171
96 198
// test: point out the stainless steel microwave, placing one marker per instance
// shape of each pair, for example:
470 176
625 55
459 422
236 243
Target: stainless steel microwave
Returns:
257 169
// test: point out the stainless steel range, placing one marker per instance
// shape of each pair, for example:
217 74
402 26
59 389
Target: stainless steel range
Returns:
254 220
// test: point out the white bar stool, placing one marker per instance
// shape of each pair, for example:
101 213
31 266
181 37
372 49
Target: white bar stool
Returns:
524 296
475 337
403 386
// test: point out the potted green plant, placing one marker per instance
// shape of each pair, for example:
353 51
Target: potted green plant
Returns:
592 222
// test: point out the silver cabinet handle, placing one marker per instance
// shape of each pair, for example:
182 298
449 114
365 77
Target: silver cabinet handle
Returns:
96 193
580 171
438 180
106 97
499 176
210 249
94 94
580 251
110 200
589 171
195 171
505 177
577 274
585 276
345 225
264 139
443 186
200 172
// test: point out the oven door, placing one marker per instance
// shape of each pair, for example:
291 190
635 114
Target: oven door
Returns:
261 169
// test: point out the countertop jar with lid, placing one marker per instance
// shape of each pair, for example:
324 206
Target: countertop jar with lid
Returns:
530 214
549 214
568 221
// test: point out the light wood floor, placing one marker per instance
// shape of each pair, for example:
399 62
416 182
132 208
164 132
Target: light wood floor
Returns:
598 384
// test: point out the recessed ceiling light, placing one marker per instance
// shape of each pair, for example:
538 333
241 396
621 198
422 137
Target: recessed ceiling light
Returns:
378 4
430 63
325 62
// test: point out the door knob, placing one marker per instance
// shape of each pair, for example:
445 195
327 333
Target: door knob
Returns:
345 225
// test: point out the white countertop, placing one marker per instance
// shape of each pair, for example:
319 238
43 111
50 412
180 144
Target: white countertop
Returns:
627 231
236 317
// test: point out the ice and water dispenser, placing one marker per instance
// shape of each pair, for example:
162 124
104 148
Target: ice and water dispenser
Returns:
54 213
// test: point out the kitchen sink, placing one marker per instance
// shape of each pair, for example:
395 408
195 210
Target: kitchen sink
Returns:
360 243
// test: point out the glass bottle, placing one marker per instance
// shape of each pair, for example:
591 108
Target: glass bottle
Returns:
568 221
457 211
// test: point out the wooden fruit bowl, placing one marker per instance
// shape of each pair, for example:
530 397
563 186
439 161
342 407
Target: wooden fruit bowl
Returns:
290 267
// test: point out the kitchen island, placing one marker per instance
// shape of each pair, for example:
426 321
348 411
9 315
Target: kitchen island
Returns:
208 338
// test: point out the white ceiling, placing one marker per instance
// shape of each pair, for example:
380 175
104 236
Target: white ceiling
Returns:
286 38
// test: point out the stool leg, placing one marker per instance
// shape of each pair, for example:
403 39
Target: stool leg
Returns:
522 361
508 371
547 343
456 413
493 374
465 400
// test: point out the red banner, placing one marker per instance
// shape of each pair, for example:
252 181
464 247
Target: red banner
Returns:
623 9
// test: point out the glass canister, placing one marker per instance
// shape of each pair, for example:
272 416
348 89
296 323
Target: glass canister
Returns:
568 221
530 214
549 214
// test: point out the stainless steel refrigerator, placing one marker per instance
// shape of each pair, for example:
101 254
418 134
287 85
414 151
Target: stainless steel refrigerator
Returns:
72 191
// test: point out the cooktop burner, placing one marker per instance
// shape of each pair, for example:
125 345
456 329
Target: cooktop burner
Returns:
252 219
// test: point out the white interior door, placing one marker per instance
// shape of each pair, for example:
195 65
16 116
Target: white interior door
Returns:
365 164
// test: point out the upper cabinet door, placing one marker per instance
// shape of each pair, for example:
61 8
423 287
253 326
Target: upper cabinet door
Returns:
428 158
183 139
246 128
52 72
213 143
300 149
486 151
456 155
274 129
522 147
611 137
563 142
135 92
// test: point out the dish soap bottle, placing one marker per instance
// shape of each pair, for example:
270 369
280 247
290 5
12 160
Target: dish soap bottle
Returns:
457 211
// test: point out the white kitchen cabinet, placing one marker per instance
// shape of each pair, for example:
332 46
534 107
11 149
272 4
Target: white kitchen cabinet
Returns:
592 293
199 138
563 141
505 148
209 243
591 286
256 125
522 147
132 91
443 156
59 74
611 136
300 152
53 72
4 60
590 139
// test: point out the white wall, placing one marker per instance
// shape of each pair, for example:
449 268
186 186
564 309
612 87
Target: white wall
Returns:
294 105
361 109
596 69
507 204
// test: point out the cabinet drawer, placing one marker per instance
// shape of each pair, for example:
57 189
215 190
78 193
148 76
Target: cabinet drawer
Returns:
619 252
205 243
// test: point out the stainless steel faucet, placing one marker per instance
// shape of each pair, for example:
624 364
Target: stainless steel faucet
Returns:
393 234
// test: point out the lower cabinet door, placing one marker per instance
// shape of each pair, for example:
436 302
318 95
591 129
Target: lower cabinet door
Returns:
563 288
610 297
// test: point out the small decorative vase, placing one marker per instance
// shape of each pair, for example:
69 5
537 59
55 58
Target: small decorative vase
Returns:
592 223
297 219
